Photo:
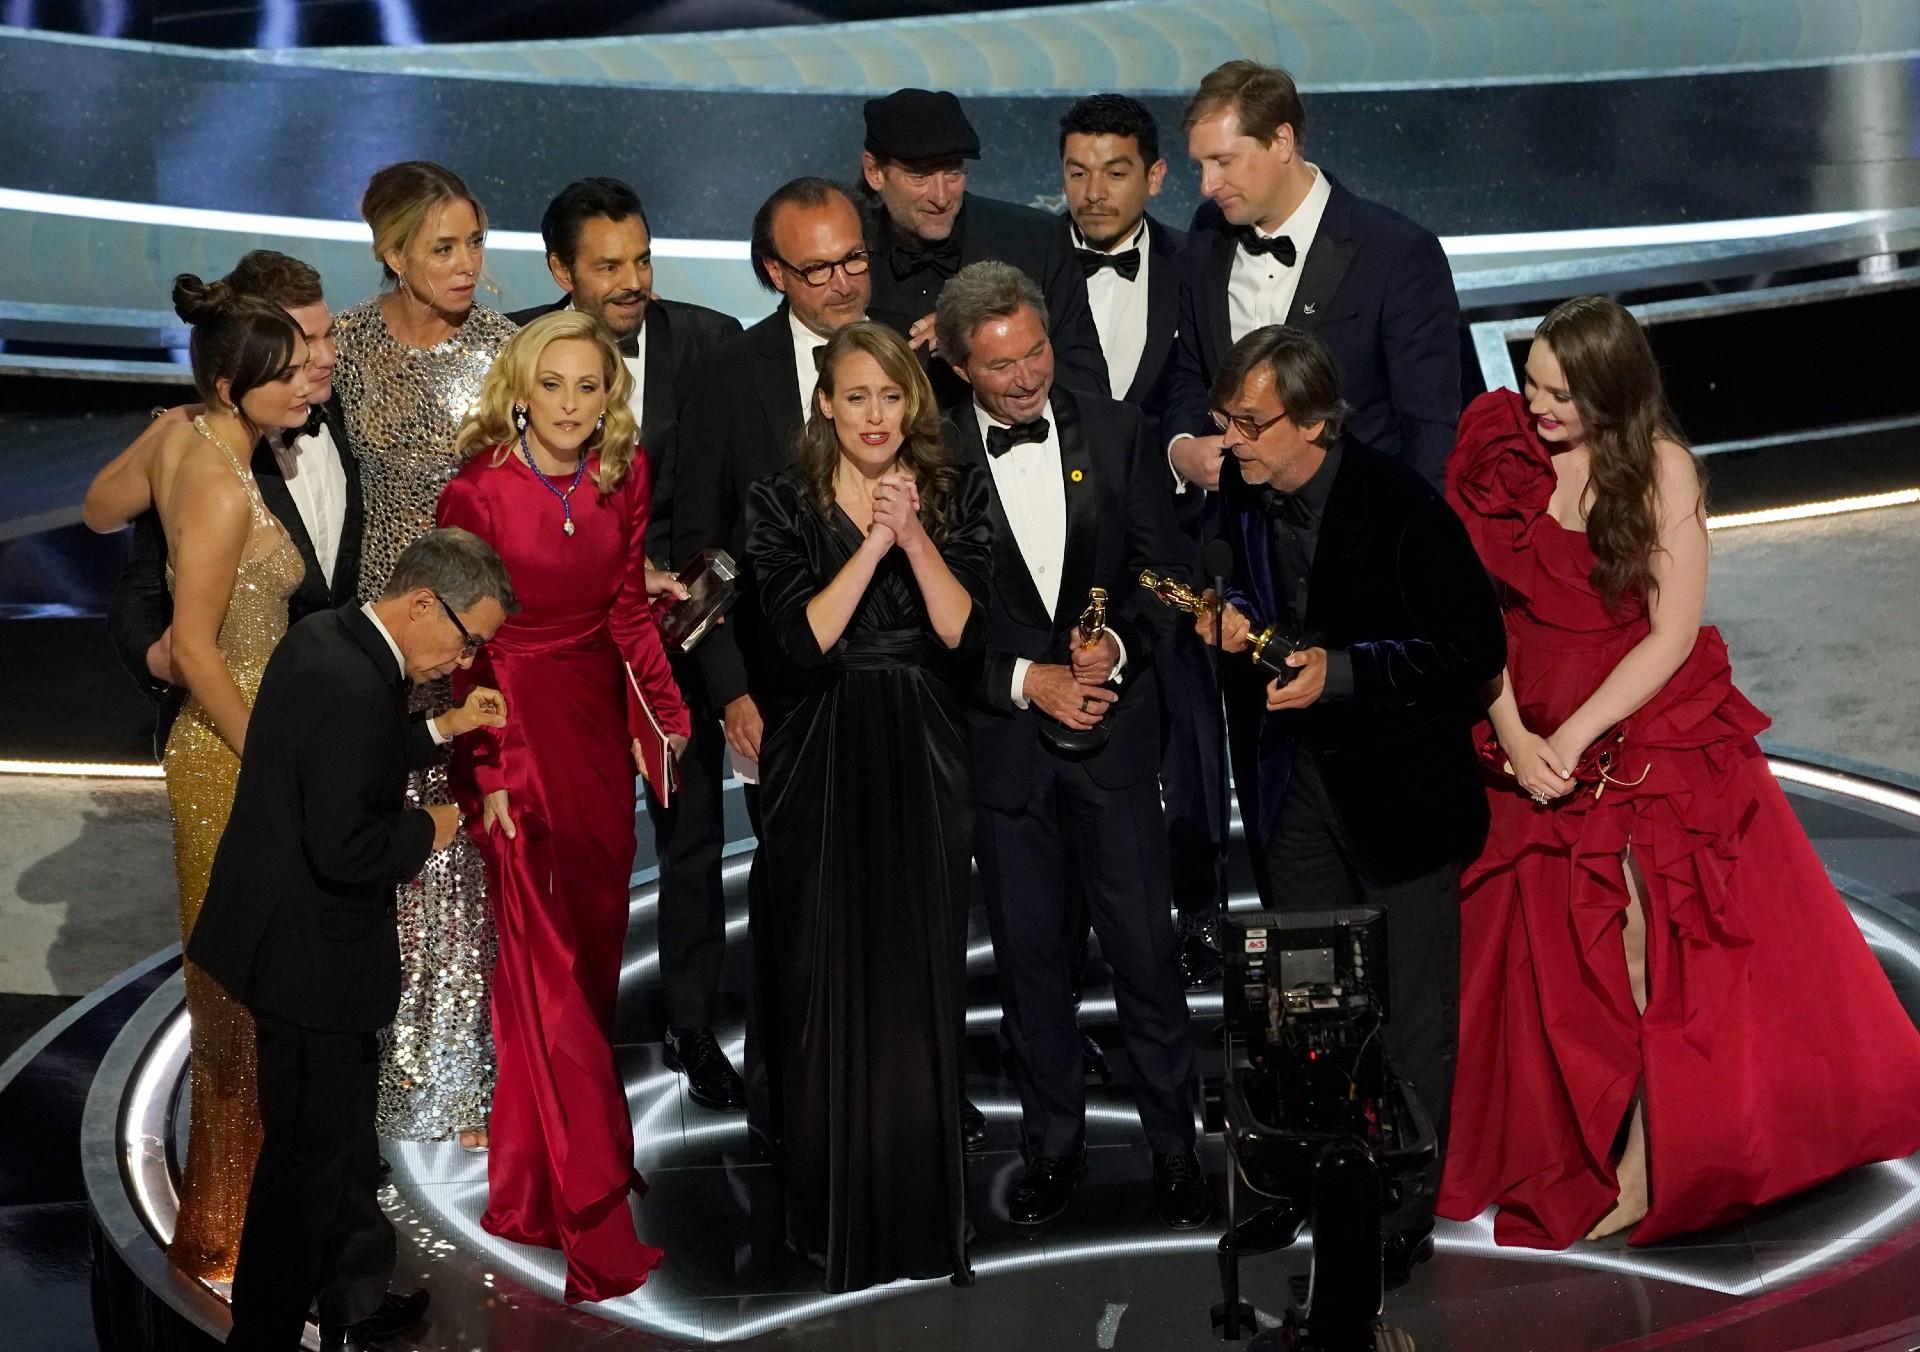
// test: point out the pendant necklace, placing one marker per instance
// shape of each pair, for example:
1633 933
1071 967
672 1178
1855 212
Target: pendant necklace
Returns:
565 495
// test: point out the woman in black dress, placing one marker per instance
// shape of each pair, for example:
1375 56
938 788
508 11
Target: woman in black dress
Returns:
871 559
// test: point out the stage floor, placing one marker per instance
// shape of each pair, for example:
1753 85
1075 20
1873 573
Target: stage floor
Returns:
1841 1260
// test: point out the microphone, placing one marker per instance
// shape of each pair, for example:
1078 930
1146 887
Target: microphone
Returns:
1218 561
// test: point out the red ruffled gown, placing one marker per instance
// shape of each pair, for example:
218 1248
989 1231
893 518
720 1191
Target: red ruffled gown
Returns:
1774 1052
561 1161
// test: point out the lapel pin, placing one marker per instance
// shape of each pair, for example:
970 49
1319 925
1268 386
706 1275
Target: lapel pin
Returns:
1076 476
1309 308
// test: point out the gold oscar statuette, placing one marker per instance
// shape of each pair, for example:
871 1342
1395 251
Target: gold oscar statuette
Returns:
1172 591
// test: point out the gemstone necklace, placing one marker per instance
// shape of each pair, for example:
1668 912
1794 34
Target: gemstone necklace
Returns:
565 495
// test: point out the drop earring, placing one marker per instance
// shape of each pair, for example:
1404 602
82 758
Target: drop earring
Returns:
600 422
520 416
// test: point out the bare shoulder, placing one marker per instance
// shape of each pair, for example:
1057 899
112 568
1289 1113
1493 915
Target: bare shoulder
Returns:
1677 479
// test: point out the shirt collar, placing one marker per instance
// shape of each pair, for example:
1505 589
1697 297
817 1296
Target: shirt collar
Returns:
801 333
398 661
1138 241
1310 209
1314 492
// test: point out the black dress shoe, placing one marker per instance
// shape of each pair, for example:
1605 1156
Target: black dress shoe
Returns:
398 1312
1200 963
973 1127
1043 1193
1180 1191
1399 1252
712 1082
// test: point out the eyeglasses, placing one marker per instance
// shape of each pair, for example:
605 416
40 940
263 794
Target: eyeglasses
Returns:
1246 427
469 645
818 274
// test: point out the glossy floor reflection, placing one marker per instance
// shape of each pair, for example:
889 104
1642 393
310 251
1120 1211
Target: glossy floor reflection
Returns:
1107 1274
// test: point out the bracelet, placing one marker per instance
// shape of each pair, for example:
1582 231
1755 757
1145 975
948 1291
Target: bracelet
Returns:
157 412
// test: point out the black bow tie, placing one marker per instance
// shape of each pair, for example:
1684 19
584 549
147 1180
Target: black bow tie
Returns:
316 419
1127 264
1000 440
1288 507
630 345
906 259
1280 246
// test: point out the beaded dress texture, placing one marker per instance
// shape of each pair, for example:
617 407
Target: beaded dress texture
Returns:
223 1137
404 406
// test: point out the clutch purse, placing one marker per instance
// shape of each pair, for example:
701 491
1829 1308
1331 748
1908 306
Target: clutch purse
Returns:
709 580
656 752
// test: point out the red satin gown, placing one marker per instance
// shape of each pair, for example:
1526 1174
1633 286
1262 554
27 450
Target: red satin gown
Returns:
561 1161
1774 1052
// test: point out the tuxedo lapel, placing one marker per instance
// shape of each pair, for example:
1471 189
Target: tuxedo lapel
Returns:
1011 579
775 381
1326 263
1163 312
1218 269
657 401
279 499
1083 487
346 557
1337 551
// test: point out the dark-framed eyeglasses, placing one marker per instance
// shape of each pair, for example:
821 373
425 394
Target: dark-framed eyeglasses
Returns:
1246 427
819 274
469 645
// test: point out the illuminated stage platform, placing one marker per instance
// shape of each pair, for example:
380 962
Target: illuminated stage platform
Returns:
1841 1260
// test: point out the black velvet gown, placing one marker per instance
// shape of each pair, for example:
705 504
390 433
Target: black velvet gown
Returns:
868 831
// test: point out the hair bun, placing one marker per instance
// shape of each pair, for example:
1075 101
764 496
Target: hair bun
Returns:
197 302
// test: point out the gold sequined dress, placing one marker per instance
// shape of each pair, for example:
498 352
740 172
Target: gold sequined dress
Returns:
404 406
223 1136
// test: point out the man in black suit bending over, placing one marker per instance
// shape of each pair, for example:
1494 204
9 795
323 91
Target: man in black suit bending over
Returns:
1369 788
600 252
923 226
1079 501
308 478
298 925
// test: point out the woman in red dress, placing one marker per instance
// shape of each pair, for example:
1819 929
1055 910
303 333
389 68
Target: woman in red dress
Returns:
552 483
1667 1016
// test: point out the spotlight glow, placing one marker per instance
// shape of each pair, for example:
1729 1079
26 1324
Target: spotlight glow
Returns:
80 769
1803 511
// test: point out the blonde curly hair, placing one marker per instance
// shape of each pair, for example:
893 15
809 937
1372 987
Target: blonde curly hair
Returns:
510 382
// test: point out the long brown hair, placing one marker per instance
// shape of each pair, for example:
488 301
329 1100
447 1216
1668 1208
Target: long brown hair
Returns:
1615 382
510 382
922 452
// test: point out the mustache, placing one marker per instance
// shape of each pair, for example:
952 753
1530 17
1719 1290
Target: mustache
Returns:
626 297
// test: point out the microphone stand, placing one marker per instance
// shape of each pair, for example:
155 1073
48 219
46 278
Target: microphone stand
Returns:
1233 1317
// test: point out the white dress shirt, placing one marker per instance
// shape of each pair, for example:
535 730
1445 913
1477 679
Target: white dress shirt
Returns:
1033 493
1260 288
433 728
317 482
805 343
1120 310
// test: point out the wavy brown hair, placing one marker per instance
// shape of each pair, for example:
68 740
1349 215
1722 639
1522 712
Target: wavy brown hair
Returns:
510 382
923 453
1615 382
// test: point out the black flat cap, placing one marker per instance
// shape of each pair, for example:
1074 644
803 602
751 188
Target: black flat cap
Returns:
917 125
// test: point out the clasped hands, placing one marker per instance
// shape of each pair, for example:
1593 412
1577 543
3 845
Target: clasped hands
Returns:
1540 765
896 513
1075 692
1236 636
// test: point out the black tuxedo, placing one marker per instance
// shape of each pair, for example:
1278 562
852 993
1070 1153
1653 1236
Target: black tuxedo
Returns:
142 607
1165 246
1374 799
1044 819
1395 582
298 926
680 337
1377 289
1030 240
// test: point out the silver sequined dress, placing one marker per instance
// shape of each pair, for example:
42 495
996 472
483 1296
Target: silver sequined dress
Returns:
404 406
